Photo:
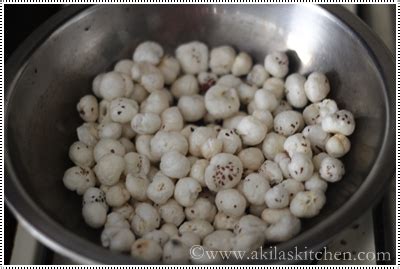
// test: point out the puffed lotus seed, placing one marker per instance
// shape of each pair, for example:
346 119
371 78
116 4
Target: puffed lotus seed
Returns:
337 146
221 101
88 134
301 167
158 236
230 202
252 130
79 179
316 183
160 190
145 220
201 209
172 212
224 172
316 87
252 158
186 191
282 225
172 120
109 169
193 57
81 154
231 141
277 64
122 110
137 186
112 130
88 108
198 170
175 165
222 59
257 75
185 85
272 145
277 197
200 227
148 51
254 188
288 122
276 86
295 93
219 239
331 169
124 66
242 64
147 250
307 204
170 68
146 123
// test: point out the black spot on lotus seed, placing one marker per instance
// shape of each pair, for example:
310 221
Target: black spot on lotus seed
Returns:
119 112
112 151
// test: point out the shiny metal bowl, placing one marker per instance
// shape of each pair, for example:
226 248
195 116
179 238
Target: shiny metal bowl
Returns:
53 68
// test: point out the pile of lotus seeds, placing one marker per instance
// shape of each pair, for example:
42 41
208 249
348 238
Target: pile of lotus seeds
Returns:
204 148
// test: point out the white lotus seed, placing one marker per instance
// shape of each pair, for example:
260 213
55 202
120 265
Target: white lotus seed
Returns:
292 186
112 130
117 195
301 167
170 68
265 117
172 212
158 236
257 75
